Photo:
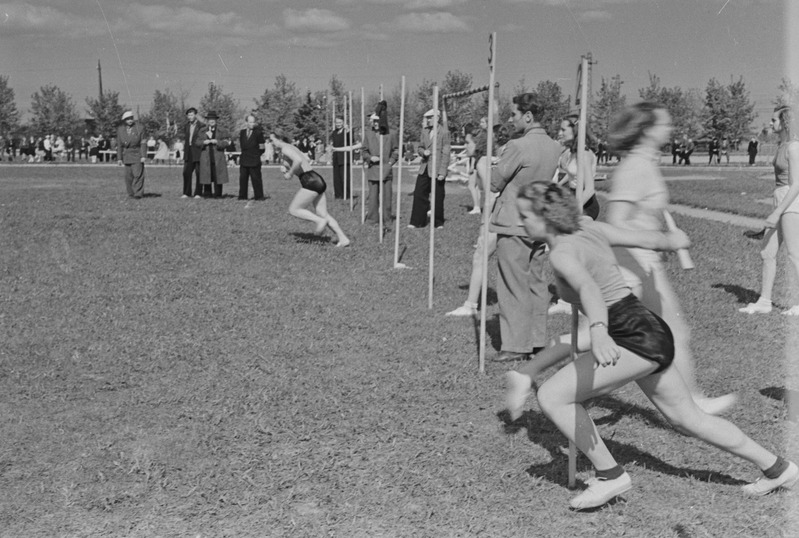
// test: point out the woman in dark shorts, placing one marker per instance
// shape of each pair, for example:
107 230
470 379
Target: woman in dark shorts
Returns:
627 343
312 193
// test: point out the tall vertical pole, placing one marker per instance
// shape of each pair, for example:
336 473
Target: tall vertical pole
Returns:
397 265
363 167
348 165
100 78
380 193
433 165
492 45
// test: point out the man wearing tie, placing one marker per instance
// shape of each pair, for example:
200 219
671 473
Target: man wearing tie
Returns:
191 159
252 144
131 152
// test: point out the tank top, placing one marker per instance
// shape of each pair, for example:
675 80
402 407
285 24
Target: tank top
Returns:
594 253
782 167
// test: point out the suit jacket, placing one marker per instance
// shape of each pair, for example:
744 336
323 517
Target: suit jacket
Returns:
442 147
131 147
252 147
532 157
340 139
192 153
371 146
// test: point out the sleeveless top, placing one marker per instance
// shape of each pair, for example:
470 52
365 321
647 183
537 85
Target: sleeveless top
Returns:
782 167
594 253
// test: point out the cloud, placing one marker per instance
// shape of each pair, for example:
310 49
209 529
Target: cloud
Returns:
18 19
432 4
314 20
441 22
595 15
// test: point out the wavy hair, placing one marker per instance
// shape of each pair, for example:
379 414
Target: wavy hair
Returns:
555 203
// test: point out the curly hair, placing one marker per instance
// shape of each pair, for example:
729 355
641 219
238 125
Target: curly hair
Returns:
628 126
555 203
574 120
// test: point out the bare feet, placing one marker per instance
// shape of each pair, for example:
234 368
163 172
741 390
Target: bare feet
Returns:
320 228
343 243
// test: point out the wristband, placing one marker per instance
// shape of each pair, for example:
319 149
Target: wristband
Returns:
598 324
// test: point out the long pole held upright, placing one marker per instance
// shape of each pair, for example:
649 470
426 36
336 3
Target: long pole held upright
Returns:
492 45
380 193
399 174
433 165
582 168
348 165
363 167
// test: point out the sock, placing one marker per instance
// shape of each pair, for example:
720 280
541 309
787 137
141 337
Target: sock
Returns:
777 469
610 474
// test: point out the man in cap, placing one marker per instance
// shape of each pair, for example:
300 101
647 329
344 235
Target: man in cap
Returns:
421 193
191 160
131 152
370 152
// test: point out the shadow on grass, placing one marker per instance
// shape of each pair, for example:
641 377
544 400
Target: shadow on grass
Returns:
743 295
305 237
789 397
492 331
542 431
151 195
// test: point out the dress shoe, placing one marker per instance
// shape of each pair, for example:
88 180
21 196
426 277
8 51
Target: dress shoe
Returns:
511 356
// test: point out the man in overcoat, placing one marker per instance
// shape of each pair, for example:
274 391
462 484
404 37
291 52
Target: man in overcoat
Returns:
211 143
191 159
252 144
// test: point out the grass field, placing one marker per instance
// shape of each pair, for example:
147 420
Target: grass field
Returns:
209 368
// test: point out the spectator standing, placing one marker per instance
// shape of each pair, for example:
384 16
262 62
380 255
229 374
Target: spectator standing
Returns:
213 163
752 150
252 143
131 153
69 146
724 149
341 137
162 153
421 193
371 161
192 132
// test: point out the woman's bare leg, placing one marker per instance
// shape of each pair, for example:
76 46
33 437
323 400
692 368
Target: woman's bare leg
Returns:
320 204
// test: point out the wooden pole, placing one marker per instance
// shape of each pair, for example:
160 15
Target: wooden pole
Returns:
363 164
397 264
433 165
582 168
348 168
492 40
380 181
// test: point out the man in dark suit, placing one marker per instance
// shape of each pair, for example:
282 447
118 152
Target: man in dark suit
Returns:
251 143
131 152
191 160
341 138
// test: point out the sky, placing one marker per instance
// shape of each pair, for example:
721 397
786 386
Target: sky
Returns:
243 45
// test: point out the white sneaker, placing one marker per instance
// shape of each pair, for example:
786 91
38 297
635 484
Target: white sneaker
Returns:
716 406
185 196
518 389
756 308
600 492
463 311
764 486
475 211
561 307
793 311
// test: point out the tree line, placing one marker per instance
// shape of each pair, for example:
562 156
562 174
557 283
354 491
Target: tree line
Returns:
720 110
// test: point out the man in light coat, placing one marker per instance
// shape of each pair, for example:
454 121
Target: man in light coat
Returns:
131 153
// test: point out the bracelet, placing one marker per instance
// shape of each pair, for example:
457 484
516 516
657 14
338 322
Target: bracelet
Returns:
598 324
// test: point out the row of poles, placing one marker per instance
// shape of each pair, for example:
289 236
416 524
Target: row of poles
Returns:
490 88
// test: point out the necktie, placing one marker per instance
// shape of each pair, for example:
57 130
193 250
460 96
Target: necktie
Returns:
249 132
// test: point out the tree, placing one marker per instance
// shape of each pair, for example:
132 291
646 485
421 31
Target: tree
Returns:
608 103
789 94
459 111
727 111
420 101
338 95
106 112
53 112
164 116
682 105
9 115
555 105
309 118
225 106
275 108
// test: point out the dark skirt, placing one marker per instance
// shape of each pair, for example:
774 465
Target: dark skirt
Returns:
633 327
313 182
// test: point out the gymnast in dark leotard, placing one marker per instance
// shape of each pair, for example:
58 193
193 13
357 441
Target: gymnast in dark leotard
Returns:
312 193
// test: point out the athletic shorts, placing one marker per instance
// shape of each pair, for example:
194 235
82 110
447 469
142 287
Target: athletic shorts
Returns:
779 194
313 182
633 327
